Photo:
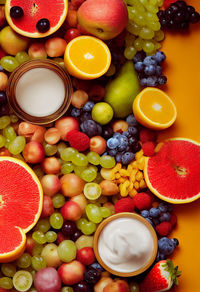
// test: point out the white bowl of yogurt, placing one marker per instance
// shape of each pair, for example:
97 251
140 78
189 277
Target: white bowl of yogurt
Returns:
125 244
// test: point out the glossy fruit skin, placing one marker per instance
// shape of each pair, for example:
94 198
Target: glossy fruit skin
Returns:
71 211
66 124
51 184
71 273
71 34
47 280
98 144
71 185
33 152
86 255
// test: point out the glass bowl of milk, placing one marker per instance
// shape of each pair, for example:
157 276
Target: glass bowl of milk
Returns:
125 244
39 91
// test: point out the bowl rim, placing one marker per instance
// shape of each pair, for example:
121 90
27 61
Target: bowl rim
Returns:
27 66
133 216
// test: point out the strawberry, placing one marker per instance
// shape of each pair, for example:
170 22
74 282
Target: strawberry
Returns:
161 277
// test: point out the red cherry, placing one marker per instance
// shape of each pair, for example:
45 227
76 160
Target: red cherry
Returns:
71 34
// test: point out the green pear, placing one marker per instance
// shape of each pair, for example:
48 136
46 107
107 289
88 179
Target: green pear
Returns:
121 91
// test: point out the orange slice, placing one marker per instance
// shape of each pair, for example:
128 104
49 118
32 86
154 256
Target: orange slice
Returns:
87 57
154 109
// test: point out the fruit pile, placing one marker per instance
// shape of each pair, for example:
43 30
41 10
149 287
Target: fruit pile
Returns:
98 159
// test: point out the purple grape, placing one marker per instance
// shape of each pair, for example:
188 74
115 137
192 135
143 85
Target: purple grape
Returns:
82 287
69 228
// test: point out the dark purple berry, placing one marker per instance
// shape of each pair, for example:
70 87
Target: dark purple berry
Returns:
16 12
107 132
3 97
69 228
92 275
194 17
76 235
43 25
82 287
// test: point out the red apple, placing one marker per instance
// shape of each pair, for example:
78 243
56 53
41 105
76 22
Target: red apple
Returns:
33 152
104 19
66 124
98 144
86 255
71 211
118 286
102 283
47 207
71 273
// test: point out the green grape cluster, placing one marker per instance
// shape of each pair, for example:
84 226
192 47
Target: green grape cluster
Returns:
86 227
10 63
143 29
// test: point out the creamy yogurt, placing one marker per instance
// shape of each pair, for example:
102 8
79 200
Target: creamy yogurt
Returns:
125 245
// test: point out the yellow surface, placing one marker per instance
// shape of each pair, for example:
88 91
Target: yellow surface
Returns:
183 72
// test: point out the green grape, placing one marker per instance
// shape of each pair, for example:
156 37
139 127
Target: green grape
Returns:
22 280
88 228
61 146
93 213
131 2
140 8
17 145
51 236
133 28
153 2
4 122
79 159
107 161
81 222
38 249
67 167
22 57
67 289
134 287
84 241
159 36
13 118
9 63
157 46
152 8
24 261
6 283
129 52
78 169
93 158
92 191
38 171
111 71
89 174
148 46
67 251
8 269
138 44
154 25
50 150
68 153
39 237
58 200
7 143
150 16
132 12
105 212
56 220
144 2
43 225
160 3
146 33
2 141
38 262
9 133
129 39
98 179
140 20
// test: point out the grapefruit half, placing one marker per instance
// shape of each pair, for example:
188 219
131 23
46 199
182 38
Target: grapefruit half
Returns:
173 173
53 10
20 206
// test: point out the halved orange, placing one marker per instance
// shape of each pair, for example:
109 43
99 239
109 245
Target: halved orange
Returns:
154 109
87 57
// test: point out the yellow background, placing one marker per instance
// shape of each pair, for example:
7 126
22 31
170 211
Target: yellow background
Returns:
183 86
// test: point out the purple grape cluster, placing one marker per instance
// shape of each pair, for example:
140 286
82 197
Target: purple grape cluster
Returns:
149 68
178 16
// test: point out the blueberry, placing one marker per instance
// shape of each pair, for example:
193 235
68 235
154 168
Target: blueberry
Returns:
90 128
175 241
99 130
149 220
112 152
131 120
159 57
127 157
136 147
117 135
145 213
150 70
97 266
118 158
143 82
139 56
158 70
127 134
152 81
170 207
166 246
160 257
133 131
154 212
112 143
139 66
163 207
149 60
105 153
92 276
88 106
85 116
132 141
107 132
156 221
76 112
165 217
123 143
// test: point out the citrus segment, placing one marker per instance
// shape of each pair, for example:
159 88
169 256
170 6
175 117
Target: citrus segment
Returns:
54 11
20 206
87 57
154 109
173 172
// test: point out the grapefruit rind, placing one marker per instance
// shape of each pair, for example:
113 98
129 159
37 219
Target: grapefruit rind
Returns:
144 120
155 192
18 250
36 34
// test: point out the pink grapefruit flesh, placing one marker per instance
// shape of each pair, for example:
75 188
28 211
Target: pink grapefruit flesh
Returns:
173 173
20 206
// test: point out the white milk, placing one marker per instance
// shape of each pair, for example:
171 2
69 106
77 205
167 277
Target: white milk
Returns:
40 92
125 245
